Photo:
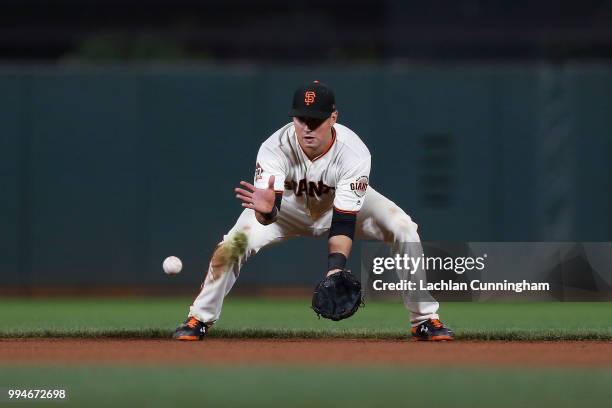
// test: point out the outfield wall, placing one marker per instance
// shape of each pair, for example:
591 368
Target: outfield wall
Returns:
105 171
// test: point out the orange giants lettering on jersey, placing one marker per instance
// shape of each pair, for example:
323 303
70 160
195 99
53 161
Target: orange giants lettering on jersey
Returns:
309 97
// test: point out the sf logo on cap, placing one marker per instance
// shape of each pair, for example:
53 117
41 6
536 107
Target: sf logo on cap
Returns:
309 97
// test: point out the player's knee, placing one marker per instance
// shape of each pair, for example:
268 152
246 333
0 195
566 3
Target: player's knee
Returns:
233 247
406 230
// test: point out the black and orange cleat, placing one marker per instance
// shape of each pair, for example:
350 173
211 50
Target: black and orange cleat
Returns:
192 329
432 330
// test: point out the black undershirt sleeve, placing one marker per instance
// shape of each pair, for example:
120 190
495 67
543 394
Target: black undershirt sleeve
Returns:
343 224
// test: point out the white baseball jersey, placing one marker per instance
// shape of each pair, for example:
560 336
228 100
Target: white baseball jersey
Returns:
337 178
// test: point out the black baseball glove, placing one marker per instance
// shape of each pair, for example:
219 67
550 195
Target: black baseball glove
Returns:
337 296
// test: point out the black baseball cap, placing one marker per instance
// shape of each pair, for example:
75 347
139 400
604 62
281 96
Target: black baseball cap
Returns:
313 100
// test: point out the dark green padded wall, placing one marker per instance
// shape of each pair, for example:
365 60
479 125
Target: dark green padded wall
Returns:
105 171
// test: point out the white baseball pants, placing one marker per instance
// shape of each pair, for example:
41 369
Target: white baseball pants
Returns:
379 219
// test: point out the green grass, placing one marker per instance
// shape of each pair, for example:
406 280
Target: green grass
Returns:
268 386
256 318
170 385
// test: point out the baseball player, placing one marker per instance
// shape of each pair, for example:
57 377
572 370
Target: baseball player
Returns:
311 179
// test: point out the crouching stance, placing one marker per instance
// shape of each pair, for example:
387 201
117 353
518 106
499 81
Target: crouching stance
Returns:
311 179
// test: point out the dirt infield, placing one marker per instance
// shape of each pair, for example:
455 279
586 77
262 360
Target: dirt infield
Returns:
327 352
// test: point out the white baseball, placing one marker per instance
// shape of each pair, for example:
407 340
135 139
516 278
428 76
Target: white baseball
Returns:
172 265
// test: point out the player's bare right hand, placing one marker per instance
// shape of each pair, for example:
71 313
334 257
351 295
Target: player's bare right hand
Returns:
258 199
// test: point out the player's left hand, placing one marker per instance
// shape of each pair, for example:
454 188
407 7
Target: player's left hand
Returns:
258 199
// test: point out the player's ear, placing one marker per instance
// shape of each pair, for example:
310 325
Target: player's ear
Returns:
334 117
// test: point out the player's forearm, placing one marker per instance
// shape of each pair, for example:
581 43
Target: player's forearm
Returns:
341 244
340 241
339 248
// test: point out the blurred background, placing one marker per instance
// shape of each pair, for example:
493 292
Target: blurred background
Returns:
125 125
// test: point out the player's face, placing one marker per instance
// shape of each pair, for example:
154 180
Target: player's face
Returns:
314 134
